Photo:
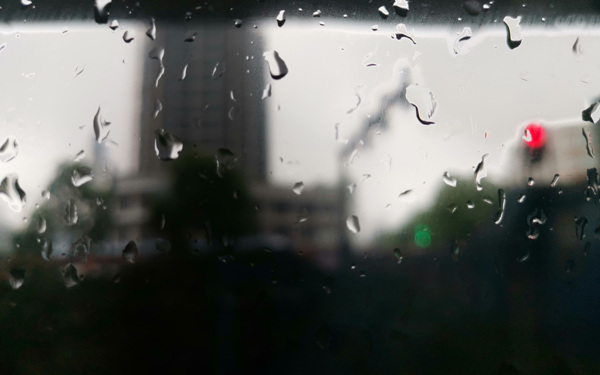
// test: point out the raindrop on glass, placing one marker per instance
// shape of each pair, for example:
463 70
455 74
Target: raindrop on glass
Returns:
130 252
521 198
80 249
402 32
46 194
157 108
190 36
317 13
79 157
16 278
423 101
40 225
281 18
473 7
158 54
183 72
166 145
114 25
580 225
298 187
480 173
237 23
266 91
470 205
81 175
218 70
554 180
12 193
101 10
588 142
383 12
353 224
70 214
151 32
70 276
225 160
101 129
591 113
9 150
47 250
128 36
401 7
277 66
398 255
501 206
513 27
449 180
465 34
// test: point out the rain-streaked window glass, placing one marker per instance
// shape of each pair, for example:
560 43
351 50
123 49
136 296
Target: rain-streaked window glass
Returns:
356 187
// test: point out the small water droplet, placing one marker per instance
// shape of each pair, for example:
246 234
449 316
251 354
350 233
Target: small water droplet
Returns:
464 35
225 160
266 91
183 72
521 198
383 12
317 13
40 226
166 145
530 181
534 220
351 188
353 224
470 205
514 37
277 66
162 245
576 47
375 27
591 113
402 32
423 101
480 173
9 150
71 215
190 36
398 255
218 70
47 249
501 206
448 180
130 252
80 249
46 194
473 7
569 265
157 108
26 3
592 184
101 129
70 276
12 193
151 32
452 208
114 25
16 278
580 225
281 18
79 157
588 142
554 180
238 23
523 258
81 175
298 187
128 36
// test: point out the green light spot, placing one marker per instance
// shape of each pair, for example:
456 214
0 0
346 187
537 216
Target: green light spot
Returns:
422 236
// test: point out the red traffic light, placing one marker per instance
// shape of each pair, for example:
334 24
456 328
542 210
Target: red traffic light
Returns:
535 135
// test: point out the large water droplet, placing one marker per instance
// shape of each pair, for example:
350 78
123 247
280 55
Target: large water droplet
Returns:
423 101
580 225
513 27
588 143
383 12
16 278
402 32
465 34
225 160
281 18
158 54
70 276
298 187
12 193
449 180
591 113
353 224
277 66
151 32
401 7
167 145
81 175
9 150
101 129
480 172
130 252
317 13
80 249
501 206
71 215
101 10
40 225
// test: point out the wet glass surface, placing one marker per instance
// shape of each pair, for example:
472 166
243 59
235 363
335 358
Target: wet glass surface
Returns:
360 188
